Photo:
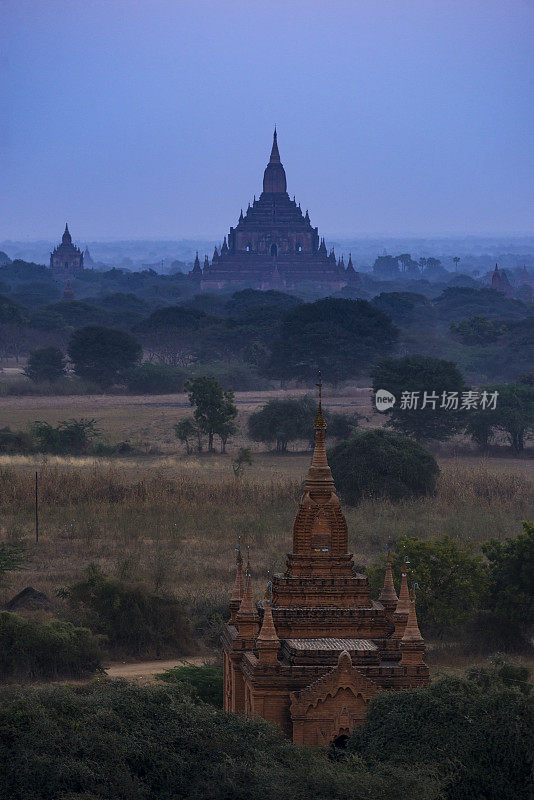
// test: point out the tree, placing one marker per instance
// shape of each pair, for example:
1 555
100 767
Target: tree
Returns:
514 413
435 270
407 309
452 580
341 426
431 381
101 354
386 267
45 364
148 378
339 337
214 408
243 459
171 334
457 303
187 431
476 736
377 463
282 421
478 330
511 564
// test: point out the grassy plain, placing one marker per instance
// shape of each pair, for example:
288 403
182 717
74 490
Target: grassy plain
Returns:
173 520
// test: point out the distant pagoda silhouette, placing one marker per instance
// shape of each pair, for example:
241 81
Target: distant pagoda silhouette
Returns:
273 245
66 261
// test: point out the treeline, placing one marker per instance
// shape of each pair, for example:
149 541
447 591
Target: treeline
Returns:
253 337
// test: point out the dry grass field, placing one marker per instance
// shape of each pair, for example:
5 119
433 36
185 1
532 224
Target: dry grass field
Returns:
173 520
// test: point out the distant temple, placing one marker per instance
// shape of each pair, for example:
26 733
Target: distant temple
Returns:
66 261
273 245
500 282
313 654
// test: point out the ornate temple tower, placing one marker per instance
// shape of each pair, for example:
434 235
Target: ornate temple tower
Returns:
311 656
274 245
66 261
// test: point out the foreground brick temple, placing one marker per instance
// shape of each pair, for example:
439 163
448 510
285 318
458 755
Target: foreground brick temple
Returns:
311 656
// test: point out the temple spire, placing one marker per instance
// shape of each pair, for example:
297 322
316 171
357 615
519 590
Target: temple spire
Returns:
238 590
388 595
66 238
268 643
275 155
247 616
400 615
412 632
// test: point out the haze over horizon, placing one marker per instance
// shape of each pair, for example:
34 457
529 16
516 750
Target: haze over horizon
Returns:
153 120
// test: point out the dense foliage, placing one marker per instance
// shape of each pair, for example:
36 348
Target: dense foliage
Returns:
429 379
451 578
377 463
340 337
46 364
100 354
114 741
201 683
511 566
476 735
31 650
134 621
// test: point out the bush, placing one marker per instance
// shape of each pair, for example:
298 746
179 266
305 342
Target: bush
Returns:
476 734
116 741
380 464
283 421
511 593
15 441
134 621
148 378
201 683
70 437
45 364
34 650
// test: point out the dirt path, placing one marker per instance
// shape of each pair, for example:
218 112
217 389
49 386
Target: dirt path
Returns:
147 669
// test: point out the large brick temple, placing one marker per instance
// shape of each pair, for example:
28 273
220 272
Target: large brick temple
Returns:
274 246
66 260
311 656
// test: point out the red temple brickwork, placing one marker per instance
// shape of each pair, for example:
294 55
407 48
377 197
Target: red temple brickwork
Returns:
312 655
273 246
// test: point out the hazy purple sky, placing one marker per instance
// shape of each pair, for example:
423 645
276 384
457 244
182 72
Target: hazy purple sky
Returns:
153 118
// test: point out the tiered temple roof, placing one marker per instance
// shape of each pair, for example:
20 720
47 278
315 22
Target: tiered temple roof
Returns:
274 245
66 260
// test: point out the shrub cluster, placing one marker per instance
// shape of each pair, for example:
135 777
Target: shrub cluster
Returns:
30 650
134 621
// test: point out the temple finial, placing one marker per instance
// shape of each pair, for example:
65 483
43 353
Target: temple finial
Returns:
320 422
275 155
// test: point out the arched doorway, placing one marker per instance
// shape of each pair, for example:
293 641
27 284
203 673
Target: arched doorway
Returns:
274 250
